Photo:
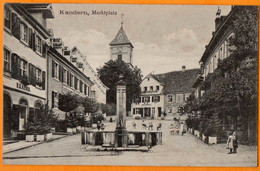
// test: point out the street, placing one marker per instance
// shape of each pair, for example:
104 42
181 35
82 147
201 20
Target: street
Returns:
176 150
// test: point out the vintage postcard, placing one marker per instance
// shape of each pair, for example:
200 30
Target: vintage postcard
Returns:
130 85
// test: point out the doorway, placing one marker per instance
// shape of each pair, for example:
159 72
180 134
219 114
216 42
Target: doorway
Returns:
7 125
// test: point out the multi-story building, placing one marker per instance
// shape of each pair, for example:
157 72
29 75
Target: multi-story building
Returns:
164 93
25 42
98 90
63 76
216 50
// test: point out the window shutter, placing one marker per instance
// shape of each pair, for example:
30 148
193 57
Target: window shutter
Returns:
34 41
34 75
43 80
15 26
53 69
44 49
158 98
52 99
60 72
68 78
14 66
30 38
30 73
152 98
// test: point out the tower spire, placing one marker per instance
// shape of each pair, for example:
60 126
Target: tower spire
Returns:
122 19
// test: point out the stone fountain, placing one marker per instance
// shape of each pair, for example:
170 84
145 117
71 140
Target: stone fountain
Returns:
119 139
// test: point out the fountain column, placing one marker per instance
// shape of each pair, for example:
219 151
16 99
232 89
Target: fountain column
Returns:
121 132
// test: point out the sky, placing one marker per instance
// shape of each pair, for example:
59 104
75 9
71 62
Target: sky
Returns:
165 37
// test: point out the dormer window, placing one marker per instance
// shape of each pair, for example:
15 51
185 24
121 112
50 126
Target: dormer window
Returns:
151 88
74 59
157 88
145 89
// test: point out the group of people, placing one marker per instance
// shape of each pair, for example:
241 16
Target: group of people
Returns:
232 143
145 126
177 129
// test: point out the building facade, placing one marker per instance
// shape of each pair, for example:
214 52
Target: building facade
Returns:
164 93
151 101
63 76
217 51
25 51
98 90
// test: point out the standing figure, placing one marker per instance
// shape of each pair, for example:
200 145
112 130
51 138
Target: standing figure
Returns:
134 124
159 126
150 126
232 143
144 125
181 128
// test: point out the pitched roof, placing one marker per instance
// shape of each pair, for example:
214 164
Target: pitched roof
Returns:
178 81
121 38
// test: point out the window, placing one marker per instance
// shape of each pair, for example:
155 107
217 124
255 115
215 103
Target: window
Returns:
55 100
220 53
85 89
64 76
147 99
151 88
81 86
145 89
157 88
215 61
170 99
119 57
157 98
55 70
7 66
38 44
24 33
76 83
71 80
179 98
38 74
24 68
7 17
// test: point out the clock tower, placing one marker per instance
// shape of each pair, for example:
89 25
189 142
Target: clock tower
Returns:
121 48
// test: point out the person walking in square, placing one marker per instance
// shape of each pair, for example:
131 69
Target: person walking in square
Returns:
232 143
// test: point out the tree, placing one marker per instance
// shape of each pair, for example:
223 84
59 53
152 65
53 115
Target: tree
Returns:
109 75
68 102
90 105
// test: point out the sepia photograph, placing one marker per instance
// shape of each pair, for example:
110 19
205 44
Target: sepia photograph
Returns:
130 85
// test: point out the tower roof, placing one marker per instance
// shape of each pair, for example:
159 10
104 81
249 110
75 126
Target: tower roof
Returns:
121 38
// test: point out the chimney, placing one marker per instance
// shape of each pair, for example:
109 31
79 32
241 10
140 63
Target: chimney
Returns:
183 68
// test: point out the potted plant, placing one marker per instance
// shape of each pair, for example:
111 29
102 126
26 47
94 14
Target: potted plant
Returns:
211 134
43 120
29 130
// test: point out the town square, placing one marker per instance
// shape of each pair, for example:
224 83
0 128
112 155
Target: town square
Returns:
130 85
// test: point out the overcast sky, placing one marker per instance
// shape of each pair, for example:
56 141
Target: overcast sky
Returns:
165 37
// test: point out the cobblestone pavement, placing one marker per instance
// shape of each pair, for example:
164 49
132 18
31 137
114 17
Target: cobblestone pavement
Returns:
176 150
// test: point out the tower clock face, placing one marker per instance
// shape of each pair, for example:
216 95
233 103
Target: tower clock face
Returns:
120 38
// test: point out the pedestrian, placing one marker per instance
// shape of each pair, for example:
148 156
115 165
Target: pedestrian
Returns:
151 126
98 125
181 128
159 126
232 143
134 124
172 129
235 143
